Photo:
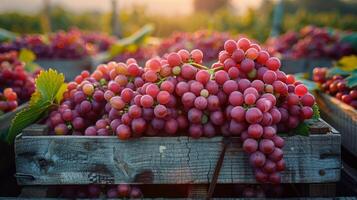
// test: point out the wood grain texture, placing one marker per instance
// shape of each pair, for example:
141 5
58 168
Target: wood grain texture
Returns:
341 116
46 160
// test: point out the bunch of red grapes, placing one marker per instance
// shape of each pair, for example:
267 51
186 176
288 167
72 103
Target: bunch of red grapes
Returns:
101 41
310 42
16 84
96 191
335 86
142 53
8 100
73 44
210 43
243 94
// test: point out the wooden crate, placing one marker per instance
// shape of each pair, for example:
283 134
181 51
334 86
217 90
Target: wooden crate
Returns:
70 68
293 66
98 59
291 191
341 116
56 160
7 153
5 120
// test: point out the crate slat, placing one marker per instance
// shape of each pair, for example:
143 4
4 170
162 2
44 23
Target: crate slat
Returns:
5 120
341 116
70 68
52 160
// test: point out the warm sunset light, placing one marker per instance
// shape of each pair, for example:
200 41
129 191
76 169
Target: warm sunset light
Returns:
178 99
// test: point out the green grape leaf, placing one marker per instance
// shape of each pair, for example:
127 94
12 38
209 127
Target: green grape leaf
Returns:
351 81
316 110
35 97
26 117
337 71
302 129
59 95
348 63
27 56
48 83
50 87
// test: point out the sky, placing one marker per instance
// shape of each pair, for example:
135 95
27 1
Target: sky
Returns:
165 7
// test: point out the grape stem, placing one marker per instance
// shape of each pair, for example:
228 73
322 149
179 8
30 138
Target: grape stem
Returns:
161 80
199 66
218 68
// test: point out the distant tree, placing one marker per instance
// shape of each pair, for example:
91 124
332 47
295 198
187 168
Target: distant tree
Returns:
209 5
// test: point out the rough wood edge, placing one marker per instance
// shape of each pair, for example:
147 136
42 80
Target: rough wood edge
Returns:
42 129
342 116
215 139
349 110
35 130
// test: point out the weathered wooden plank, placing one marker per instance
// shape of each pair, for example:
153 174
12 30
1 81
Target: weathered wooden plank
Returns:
35 130
5 120
70 68
46 160
318 126
292 66
341 116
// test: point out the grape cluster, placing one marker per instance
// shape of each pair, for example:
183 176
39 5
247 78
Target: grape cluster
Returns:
141 53
210 43
8 100
96 191
16 83
101 41
335 86
310 42
243 94
73 44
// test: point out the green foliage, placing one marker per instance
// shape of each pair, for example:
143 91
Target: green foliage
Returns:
6 35
337 71
255 23
302 129
27 56
351 80
351 39
132 41
316 110
50 87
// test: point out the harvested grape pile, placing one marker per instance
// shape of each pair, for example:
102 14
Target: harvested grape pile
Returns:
310 42
16 84
73 44
336 86
243 94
